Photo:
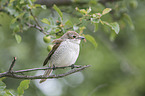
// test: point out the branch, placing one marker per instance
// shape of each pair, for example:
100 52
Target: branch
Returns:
33 26
34 69
47 33
37 26
35 19
12 65
7 74
13 74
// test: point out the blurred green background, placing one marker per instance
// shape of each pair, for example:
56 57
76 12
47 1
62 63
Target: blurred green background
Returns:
117 67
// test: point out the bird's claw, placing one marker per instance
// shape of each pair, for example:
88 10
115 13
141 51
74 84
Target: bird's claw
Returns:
54 68
72 66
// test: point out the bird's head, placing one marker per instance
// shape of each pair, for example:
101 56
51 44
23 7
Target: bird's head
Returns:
72 35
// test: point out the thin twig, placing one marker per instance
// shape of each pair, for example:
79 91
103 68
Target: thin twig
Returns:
36 21
12 65
34 26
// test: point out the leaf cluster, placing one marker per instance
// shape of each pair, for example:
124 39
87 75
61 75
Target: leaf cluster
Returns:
20 90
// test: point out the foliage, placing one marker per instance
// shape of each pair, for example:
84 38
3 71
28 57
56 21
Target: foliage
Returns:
23 15
20 90
115 29
23 86
91 39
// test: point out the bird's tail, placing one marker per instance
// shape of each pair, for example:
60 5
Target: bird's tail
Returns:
47 73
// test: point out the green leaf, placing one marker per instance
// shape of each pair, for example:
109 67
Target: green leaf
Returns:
9 93
127 19
40 6
92 40
89 10
114 26
37 5
43 6
92 2
58 11
95 20
68 22
12 1
2 86
105 11
22 1
16 28
81 29
83 11
18 38
112 36
20 15
45 20
95 27
23 86
12 11
33 1
30 2
14 20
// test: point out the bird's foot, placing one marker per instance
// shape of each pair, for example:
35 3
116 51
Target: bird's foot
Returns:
54 68
72 66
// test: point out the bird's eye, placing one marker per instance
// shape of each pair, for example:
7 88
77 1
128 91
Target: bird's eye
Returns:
74 36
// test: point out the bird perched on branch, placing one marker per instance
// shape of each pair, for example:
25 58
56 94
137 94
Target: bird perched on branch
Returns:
65 51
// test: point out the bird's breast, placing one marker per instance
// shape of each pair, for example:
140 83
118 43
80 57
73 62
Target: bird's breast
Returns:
66 54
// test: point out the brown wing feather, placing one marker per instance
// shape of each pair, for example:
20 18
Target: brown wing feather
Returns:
52 51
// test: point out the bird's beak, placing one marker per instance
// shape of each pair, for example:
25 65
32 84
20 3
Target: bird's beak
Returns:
81 38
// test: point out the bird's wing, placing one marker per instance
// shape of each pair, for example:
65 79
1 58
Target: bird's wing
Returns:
57 43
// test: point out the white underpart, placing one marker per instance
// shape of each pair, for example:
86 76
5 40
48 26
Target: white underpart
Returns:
67 53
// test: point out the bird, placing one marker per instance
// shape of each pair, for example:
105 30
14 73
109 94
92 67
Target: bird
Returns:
64 52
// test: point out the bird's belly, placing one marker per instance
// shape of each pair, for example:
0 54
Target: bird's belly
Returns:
65 55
